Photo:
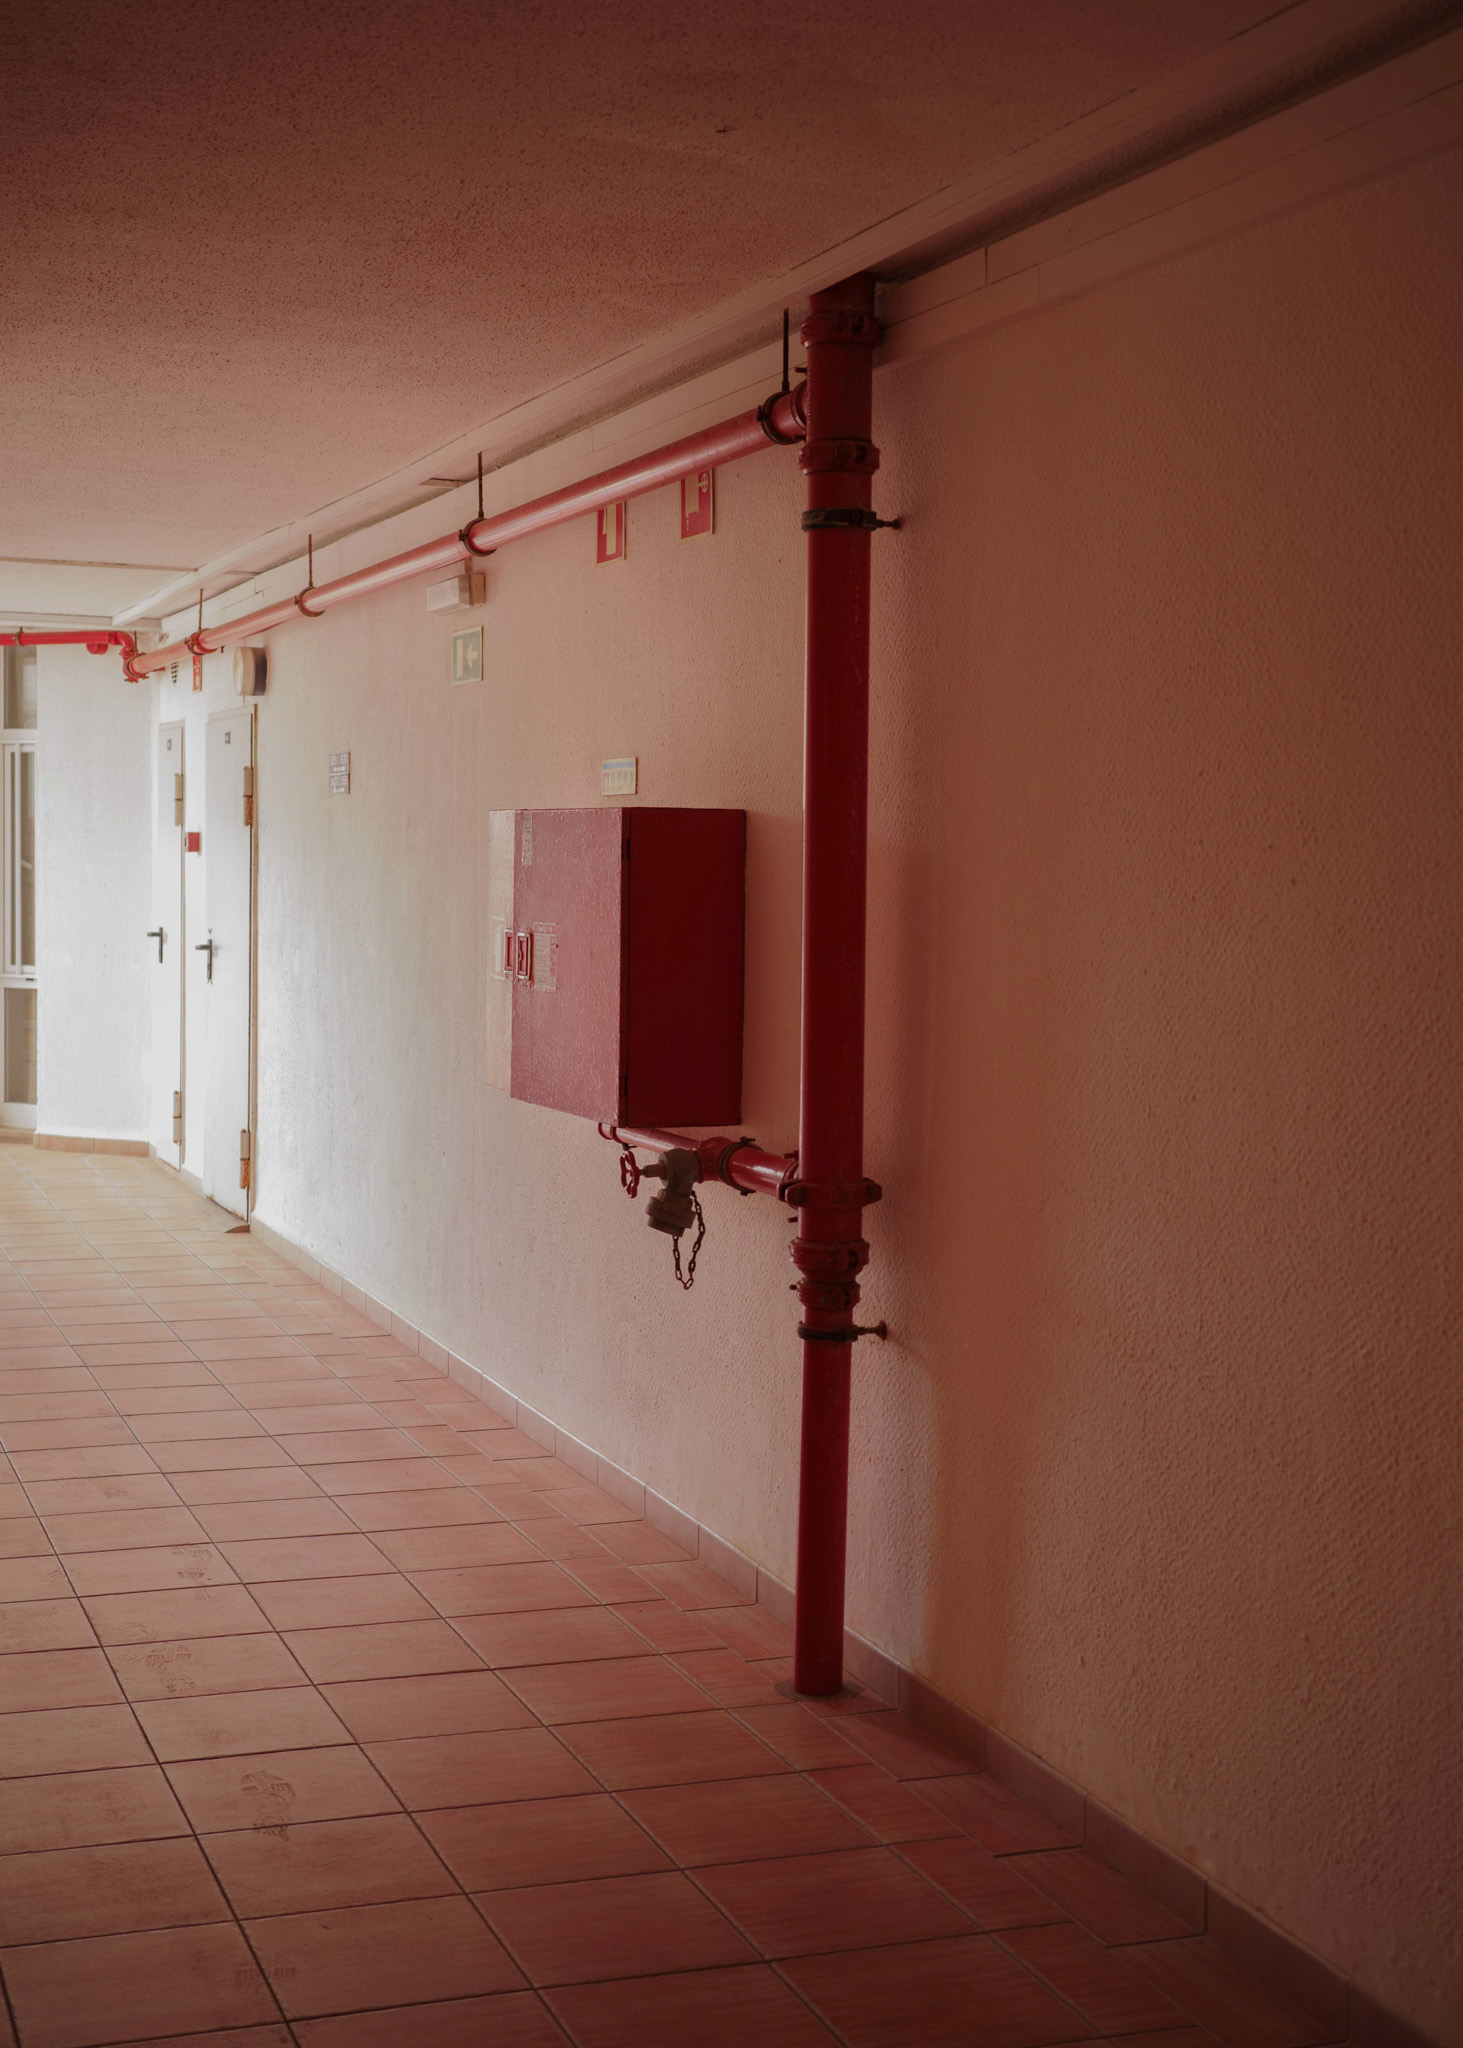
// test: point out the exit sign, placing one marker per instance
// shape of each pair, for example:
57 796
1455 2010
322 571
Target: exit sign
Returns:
698 503
467 655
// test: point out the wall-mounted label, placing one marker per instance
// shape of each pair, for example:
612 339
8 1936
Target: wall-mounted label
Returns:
340 775
467 655
198 671
619 778
609 536
698 500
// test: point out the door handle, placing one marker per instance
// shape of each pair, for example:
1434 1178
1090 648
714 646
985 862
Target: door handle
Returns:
159 935
207 947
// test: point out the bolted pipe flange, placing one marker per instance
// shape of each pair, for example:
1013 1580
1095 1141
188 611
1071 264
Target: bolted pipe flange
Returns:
842 458
840 324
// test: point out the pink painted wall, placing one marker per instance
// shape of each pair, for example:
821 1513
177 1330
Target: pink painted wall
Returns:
1160 1472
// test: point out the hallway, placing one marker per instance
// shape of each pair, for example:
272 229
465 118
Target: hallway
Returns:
337 1711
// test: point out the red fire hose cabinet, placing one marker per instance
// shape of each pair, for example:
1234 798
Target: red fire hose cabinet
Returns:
615 962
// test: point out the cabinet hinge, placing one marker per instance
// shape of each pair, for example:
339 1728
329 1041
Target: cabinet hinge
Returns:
177 799
243 1159
248 796
177 1116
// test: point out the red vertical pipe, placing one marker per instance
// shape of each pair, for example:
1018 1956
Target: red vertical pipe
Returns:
839 458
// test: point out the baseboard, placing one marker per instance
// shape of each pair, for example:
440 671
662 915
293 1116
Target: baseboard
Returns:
11 1134
63 1141
1345 2012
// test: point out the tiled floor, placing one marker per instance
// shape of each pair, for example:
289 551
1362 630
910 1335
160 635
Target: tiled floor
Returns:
333 1711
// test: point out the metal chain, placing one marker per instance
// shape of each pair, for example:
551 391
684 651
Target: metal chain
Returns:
688 1278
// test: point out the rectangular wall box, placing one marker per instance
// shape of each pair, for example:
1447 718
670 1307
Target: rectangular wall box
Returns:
615 962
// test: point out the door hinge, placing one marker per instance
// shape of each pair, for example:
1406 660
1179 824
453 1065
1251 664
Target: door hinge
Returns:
248 796
177 1116
177 799
243 1159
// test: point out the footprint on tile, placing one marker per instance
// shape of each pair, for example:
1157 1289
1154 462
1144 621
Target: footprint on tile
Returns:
275 1799
167 1662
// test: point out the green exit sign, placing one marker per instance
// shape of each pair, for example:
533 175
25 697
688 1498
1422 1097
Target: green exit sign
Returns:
467 655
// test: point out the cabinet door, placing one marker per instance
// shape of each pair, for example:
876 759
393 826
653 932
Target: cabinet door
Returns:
567 989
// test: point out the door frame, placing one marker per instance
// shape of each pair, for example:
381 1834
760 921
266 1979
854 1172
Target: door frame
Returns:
250 713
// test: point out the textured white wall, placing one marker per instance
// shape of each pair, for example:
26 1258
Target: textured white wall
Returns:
94 856
1164 952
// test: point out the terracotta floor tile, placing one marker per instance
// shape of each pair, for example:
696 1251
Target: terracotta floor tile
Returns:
147 1351
1217 1992
692 1586
726 2008
1105 1902
182 1373
173 1616
270 1482
903 1750
314 1388
195 1426
940 1994
478 1769
267 1372
279 1789
1097 1981
43 1625
437 1439
236 1724
542 1474
989 1888
995 1817
730 1821
502 1589
334 1603
446 1703
750 1631
541 1841
561 1635
669 1749
328 1416
887 1808
612 1927
438 1507
389 1649
123 1529
56 1678
243 1521
120 1888
54 1407
221 1349
64 1436
33 1578
209 1398
351 1447
70 1739
512 2019
607 1689
502 1442
304 1557
201 1666
221 1455
520 1503
419 1550
367 1956
83 1464
98 1496
73 1994
389 1476
806 1741
23 1539
76 1808
326 1863
665 1626
797 1905
730 1680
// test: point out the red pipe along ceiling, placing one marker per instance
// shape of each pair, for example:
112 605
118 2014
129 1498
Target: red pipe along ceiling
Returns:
96 640
780 421
831 415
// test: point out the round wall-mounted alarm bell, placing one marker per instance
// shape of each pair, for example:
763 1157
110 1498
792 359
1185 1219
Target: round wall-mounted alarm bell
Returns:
249 671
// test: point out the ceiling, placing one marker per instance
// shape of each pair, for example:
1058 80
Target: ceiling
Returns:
255 257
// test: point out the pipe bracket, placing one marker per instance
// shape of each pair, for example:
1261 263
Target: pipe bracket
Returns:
850 1334
831 1194
837 518
844 458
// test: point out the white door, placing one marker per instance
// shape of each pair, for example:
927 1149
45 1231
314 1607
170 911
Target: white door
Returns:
167 943
227 947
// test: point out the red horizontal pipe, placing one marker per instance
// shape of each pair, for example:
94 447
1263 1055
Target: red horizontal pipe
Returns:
96 640
734 1160
779 420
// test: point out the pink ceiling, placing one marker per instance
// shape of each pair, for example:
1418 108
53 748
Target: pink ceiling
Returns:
254 257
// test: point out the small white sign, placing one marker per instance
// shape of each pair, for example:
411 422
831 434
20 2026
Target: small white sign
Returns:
619 778
340 775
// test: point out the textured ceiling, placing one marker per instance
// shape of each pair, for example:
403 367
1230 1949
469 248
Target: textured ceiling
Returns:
254 257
